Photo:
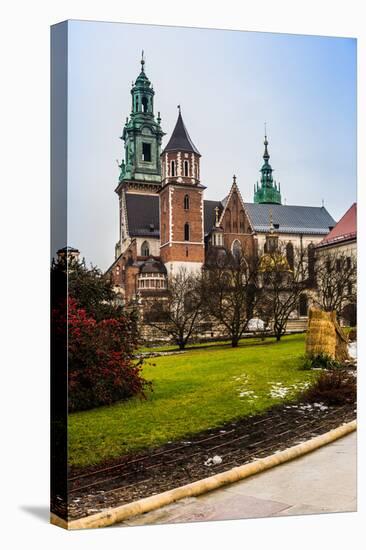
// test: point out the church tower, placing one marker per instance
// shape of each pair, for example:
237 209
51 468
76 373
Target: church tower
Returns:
142 135
181 203
267 191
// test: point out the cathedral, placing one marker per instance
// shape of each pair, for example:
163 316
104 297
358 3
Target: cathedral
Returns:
166 223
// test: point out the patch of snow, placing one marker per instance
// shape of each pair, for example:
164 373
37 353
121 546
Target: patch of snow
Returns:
213 461
352 350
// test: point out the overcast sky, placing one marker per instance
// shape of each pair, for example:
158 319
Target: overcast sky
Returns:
227 83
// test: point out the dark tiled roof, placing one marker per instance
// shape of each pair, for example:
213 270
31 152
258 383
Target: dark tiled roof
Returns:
180 140
209 214
143 215
290 219
152 266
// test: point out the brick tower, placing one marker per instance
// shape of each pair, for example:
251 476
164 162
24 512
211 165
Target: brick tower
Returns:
181 203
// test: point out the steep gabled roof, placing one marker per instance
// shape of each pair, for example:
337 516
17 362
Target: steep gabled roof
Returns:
344 230
180 140
142 215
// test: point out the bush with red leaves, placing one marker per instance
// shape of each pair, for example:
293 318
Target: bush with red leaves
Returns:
101 368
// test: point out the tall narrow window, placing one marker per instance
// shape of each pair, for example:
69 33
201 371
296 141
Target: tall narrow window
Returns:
144 104
186 231
145 250
290 255
242 221
236 249
137 103
228 221
146 152
172 168
186 202
186 169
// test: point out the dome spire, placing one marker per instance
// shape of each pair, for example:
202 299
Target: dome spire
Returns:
266 154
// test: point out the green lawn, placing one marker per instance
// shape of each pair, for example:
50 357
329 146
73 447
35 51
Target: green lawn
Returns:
199 389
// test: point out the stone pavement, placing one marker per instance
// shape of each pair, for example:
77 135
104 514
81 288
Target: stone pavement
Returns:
320 482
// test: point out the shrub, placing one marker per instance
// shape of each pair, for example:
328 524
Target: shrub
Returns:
320 361
101 368
333 387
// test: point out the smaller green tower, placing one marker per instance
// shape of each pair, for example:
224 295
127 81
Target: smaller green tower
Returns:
142 136
268 191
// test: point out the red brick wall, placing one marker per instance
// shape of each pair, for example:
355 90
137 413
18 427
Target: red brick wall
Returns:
180 216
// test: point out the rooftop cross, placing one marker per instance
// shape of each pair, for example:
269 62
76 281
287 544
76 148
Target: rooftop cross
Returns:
234 179
142 61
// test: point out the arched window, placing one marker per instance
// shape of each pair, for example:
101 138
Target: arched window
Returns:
172 168
137 103
242 221
145 250
236 249
311 262
186 202
290 255
186 168
186 231
228 221
144 104
303 305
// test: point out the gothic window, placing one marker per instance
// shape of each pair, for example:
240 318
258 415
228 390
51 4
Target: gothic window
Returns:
146 152
144 104
235 226
172 168
228 221
290 255
186 202
186 169
236 249
145 250
303 305
242 222
186 231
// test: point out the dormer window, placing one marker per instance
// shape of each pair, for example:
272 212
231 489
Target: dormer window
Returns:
186 202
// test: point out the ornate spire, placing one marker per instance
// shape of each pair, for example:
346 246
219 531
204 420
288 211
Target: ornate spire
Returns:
142 61
267 192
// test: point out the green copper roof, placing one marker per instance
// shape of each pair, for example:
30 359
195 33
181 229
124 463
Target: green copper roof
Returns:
267 191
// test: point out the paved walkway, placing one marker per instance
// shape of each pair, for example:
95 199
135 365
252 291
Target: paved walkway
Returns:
320 482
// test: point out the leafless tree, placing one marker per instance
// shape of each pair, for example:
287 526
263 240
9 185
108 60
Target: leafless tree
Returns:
230 292
179 313
281 284
336 273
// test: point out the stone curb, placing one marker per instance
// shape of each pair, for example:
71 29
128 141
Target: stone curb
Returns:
127 511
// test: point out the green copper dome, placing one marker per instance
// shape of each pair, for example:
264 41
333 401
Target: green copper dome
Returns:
267 191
